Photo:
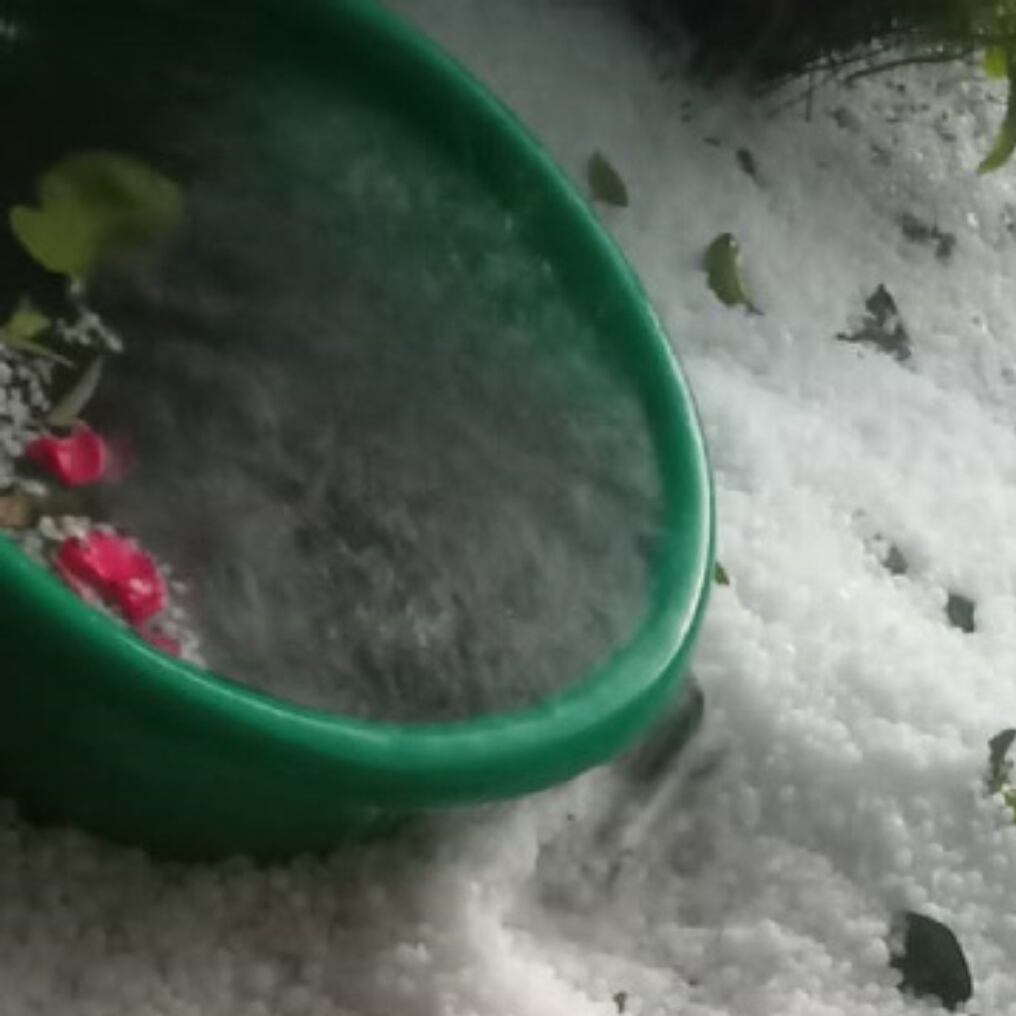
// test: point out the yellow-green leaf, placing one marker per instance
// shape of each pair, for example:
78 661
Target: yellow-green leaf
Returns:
996 62
1001 150
91 204
1005 140
605 182
26 322
69 408
723 271
22 329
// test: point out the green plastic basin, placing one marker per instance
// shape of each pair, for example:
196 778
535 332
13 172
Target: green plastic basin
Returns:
98 730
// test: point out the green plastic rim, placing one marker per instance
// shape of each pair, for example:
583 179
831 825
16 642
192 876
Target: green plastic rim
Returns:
133 704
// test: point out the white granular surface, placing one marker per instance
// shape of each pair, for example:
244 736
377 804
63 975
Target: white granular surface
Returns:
848 722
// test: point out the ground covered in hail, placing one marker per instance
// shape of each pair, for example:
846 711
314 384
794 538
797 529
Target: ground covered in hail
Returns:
853 669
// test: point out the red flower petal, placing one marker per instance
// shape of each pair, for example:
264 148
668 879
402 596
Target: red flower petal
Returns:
66 569
76 460
83 564
115 569
142 595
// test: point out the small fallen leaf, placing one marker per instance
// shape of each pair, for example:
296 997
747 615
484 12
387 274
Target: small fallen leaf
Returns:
1005 139
918 231
882 326
67 410
1004 146
17 511
960 611
723 271
720 575
999 765
23 328
605 182
895 562
90 204
932 962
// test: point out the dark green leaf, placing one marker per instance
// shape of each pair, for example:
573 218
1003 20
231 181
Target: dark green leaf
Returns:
621 1001
999 765
882 326
960 610
720 575
916 230
723 272
605 182
895 563
932 962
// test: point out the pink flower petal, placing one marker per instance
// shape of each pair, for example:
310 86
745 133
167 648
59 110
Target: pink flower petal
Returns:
76 460
115 569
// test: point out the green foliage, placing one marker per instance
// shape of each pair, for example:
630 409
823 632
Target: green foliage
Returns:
999 763
785 40
772 43
723 273
23 329
895 561
961 612
1000 768
92 204
882 326
69 408
932 962
996 62
1005 140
